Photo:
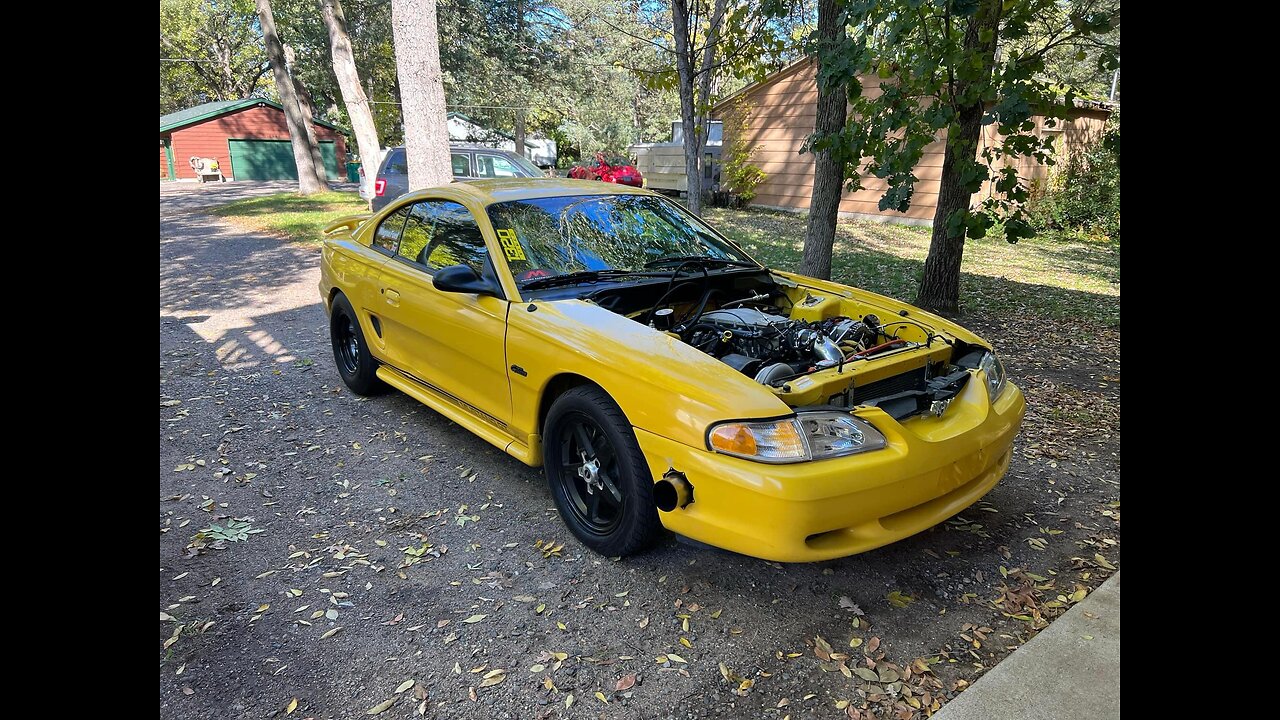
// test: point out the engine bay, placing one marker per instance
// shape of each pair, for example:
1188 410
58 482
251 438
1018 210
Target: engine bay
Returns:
811 347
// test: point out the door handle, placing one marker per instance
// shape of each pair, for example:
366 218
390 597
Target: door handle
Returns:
393 297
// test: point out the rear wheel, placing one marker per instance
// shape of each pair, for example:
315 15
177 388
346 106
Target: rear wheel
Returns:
350 351
598 477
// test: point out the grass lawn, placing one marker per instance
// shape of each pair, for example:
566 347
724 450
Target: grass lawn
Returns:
1051 277
291 216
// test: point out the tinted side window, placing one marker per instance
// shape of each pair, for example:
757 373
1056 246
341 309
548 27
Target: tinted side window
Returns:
417 233
461 164
388 234
396 163
455 237
491 166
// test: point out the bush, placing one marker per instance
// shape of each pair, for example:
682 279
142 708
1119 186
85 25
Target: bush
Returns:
1084 194
739 175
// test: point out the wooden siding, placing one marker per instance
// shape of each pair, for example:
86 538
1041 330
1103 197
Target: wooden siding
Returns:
209 138
782 115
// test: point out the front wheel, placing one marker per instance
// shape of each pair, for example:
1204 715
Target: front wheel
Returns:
598 477
358 368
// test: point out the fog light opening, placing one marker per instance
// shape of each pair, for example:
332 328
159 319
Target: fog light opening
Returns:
672 491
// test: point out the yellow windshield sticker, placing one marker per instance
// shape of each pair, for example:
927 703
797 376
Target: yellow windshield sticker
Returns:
510 245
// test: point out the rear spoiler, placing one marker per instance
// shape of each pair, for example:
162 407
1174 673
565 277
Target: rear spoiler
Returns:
347 222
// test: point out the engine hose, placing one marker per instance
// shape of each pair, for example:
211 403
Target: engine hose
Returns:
671 289
702 305
878 348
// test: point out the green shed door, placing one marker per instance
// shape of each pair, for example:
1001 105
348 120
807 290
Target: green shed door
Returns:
273 159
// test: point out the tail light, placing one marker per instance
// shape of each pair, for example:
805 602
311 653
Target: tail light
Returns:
379 187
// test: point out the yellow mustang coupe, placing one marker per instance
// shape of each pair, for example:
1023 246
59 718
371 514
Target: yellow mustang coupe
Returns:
660 376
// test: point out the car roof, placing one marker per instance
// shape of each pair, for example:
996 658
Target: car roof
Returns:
465 146
512 189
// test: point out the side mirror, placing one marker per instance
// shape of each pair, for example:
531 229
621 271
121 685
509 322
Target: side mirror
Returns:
462 279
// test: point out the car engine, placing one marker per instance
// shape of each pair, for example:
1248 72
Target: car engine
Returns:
772 348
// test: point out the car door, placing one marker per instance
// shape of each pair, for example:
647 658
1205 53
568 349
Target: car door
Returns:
369 293
496 166
461 166
452 342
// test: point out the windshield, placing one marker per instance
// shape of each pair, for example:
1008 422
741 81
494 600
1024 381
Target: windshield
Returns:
544 237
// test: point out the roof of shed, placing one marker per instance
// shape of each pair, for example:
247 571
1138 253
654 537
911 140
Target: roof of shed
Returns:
193 115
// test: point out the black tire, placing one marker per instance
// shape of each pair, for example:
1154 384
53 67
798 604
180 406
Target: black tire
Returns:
615 514
356 365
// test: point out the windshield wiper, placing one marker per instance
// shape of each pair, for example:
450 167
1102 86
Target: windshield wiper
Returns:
698 260
580 276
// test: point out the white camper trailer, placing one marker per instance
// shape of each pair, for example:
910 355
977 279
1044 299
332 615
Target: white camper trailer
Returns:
662 164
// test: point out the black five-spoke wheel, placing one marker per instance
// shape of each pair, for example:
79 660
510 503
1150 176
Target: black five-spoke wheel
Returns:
358 368
346 345
599 479
589 471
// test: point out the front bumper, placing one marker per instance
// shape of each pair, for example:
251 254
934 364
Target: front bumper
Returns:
932 469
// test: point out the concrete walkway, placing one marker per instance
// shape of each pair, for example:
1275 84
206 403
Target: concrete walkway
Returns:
1070 670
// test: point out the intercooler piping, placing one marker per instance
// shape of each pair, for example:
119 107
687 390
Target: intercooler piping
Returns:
672 491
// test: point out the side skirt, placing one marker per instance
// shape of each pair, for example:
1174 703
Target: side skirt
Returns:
528 451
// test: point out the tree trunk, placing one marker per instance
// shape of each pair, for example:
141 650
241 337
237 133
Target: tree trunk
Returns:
344 67
520 114
426 133
311 179
940 283
688 121
519 133
307 107
828 174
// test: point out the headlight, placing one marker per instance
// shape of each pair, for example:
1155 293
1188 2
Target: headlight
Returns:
994 370
808 436
775 441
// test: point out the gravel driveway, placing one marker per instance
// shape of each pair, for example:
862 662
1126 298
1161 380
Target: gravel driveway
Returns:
387 555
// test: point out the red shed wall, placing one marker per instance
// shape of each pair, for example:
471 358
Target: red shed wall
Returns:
209 138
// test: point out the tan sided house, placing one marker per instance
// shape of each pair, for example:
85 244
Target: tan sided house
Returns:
781 111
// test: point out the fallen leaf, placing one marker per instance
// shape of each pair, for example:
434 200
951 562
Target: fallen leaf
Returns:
848 604
899 600
404 686
866 674
381 707
600 696
293 705
475 618
626 682
568 701
821 648
333 632
493 677
676 658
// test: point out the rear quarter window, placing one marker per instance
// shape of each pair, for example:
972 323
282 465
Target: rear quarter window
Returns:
396 163
388 235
